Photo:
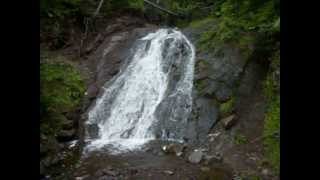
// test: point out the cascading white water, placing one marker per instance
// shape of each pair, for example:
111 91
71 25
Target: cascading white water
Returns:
125 113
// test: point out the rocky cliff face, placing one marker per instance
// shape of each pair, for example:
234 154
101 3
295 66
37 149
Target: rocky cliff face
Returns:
98 58
217 73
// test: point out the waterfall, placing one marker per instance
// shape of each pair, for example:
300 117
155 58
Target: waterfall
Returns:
154 88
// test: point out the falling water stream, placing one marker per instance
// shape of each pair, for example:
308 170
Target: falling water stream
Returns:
149 94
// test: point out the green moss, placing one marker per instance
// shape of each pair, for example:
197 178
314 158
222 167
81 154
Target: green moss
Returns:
227 108
240 139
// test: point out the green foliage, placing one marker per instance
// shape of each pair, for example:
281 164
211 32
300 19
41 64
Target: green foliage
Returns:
61 91
272 118
201 22
61 87
227 108
59 8
251 25
240 139
272 126
136 4
254 177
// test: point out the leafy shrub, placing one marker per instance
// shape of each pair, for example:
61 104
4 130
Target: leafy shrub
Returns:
61 91
61 87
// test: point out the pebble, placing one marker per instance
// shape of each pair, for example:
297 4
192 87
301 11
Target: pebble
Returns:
168 172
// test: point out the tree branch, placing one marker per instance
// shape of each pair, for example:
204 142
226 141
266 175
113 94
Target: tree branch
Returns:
98 8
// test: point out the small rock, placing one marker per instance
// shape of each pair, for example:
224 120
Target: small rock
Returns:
195 157
229 121
176 149
214 135
179 154
110 172
205 169
168 172
133 171
82 178
99 173
212 159
265 172
109 167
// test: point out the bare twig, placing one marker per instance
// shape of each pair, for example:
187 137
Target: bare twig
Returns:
161 8
84 37
275 135
98 8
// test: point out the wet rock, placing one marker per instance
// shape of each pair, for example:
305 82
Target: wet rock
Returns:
195 157
206 117
148 149
148 45
168 172
229 121
93 131
114 72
